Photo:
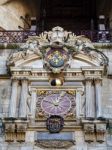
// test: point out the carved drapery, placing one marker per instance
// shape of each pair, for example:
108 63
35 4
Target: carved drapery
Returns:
23 100
13 100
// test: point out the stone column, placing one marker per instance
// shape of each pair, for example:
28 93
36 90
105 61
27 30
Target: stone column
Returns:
98 91
90 104
13 100
33 102
23 100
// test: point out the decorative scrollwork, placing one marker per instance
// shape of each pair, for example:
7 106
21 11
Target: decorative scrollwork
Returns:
55 144
56 47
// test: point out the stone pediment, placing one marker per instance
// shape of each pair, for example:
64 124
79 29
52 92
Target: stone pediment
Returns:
57 50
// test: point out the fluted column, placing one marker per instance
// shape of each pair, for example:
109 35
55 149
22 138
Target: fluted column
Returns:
23 100
33 102
13 100
98 93
90 104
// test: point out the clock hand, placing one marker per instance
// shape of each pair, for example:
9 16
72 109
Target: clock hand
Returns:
48 101
59 98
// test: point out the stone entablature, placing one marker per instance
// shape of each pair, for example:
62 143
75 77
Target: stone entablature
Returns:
70 74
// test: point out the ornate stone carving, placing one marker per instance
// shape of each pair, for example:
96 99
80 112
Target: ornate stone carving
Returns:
55 144
61 42
21 129
15 132
89 132
10 132
44 97
100 132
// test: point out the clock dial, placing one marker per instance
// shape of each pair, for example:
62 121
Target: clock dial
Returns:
56 104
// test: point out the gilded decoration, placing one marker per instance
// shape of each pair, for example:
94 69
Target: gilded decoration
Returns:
56 48
56 102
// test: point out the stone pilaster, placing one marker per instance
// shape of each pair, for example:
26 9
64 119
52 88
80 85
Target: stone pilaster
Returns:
23 100
80 142
33 102
98 90
90 104
79 111
13 100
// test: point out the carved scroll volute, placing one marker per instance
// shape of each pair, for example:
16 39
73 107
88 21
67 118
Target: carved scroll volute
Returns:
21 130
89 133
10 132
100 132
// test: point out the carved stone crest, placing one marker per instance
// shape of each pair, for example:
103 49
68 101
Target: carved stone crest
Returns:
56 48
55 124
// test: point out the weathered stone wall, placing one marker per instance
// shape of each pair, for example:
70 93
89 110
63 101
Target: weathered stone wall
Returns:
13 10
5 90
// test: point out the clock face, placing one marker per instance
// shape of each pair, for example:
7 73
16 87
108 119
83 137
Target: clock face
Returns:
56 104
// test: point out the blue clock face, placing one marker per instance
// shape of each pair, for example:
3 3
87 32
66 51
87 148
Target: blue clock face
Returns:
56 60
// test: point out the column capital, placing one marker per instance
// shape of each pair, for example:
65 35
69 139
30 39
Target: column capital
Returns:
81 91
15 79
97 80
88 80
33 90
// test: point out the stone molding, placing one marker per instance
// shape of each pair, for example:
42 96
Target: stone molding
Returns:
70 74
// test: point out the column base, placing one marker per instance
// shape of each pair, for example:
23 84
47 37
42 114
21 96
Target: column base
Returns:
22 118
101 118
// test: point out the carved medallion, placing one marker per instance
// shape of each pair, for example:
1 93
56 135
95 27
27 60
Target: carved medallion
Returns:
55 124
56 59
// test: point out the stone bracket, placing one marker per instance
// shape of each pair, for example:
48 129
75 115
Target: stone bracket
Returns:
15 131
95 132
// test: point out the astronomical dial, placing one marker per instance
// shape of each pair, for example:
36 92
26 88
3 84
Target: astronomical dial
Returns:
56 104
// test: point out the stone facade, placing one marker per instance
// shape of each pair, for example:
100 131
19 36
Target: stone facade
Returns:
25 88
